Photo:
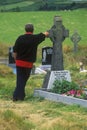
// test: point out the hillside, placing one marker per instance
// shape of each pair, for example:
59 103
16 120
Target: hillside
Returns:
38 5
12 25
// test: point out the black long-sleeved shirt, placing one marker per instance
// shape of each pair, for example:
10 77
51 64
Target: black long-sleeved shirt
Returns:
26 46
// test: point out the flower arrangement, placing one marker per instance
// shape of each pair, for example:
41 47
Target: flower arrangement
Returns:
68 88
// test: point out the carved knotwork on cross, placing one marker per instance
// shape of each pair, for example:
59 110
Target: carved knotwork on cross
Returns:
57 34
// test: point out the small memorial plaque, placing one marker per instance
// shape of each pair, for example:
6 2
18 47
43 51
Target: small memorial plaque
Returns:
58 75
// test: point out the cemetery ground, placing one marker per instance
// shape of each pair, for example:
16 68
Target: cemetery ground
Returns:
37 113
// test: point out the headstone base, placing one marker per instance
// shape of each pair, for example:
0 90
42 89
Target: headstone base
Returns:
60 98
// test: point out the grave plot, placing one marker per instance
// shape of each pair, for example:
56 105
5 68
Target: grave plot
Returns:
57 34
60 98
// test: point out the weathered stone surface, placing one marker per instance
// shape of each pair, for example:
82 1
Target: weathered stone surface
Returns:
60 98
57 34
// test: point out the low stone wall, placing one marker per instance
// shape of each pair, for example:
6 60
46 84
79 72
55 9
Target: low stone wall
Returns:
60 98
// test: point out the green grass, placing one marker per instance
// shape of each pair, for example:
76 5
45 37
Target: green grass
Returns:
36 113
17 122
15 5
12 24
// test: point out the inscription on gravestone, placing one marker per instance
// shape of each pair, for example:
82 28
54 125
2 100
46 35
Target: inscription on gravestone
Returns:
58 75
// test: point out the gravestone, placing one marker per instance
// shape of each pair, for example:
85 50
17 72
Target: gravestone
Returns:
46 55
58 75
57 34
11 58
75 38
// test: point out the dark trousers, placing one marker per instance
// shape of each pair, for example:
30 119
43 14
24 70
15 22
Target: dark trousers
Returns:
23 75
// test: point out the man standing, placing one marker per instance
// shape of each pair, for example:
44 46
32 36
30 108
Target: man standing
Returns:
24 51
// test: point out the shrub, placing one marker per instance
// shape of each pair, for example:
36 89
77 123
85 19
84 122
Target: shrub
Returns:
64 86
68 88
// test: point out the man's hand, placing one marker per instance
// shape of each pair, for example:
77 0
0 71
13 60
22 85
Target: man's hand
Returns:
46 34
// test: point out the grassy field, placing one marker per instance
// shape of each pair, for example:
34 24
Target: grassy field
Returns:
36 5
15 5
12 24
37 113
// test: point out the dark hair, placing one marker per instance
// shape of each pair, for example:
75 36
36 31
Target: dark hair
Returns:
29 28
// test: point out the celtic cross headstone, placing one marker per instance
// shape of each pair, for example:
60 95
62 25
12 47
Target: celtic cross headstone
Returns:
57 34
75 38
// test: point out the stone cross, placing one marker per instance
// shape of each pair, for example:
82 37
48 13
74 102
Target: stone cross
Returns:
75 38
57 34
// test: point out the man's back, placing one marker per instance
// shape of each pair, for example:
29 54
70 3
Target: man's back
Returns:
26 46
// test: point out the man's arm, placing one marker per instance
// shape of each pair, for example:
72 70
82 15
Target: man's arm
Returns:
46 34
